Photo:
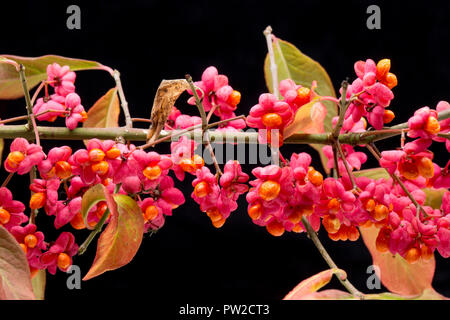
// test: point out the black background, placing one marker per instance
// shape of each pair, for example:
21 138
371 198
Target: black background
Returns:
148 41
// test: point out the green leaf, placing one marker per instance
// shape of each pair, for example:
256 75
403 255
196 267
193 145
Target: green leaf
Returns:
36 71
39 282
309 286
375 173
15 278
396 273
121 239
293 64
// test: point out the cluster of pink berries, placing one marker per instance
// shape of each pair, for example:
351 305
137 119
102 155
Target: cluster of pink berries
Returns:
282 195
64 102
279 198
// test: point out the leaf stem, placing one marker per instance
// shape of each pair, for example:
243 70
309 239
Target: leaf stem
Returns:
98 227
31 119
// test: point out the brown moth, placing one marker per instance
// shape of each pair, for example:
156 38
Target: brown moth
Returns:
166 95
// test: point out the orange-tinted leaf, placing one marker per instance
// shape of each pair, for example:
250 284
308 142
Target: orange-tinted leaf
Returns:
308 119
397 274
15 280
121 239
36 71
314 283
105 112
91 197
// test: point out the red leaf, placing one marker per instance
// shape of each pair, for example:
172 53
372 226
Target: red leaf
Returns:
15 279
397 274
314 283
121 239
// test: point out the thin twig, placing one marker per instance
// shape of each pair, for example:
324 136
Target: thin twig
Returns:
323 252
205 133
273 66
343 105
123 101
210 113
25 117
335 161
36 93
31 119
141 120
8 178
347 167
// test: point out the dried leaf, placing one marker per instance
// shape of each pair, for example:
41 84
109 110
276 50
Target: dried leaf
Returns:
166 95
